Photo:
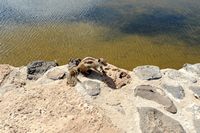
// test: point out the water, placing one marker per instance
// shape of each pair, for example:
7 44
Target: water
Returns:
127 33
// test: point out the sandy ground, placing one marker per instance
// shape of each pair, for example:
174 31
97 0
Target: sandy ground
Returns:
49 109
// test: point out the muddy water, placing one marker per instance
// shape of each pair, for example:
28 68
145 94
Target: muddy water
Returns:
127 33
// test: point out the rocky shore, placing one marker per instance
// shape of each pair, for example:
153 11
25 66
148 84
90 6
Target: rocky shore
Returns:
35 98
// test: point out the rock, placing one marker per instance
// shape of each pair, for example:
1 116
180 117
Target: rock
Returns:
195 110
197 125
154 121
155 94
92 87
148 72
37 68
4 72
116 78
15 79
180 76
174 89
196 91
56 74
195 69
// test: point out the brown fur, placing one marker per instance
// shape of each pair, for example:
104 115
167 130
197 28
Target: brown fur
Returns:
88 63
72 77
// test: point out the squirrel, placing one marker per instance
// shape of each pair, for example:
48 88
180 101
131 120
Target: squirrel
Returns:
88 63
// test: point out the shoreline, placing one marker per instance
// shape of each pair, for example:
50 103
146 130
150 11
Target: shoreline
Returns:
173 96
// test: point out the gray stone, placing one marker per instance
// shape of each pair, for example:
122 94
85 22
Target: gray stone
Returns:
92 88
37 68
196 91
195 69
155 94
180 76
195 110
148 72
175 90
56 74
154 121
197 125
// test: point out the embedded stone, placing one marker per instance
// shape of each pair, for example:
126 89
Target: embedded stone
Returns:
92 88
196 91
157 95
56 74
194 69
148 72
154 121
195 110
174 89
180 76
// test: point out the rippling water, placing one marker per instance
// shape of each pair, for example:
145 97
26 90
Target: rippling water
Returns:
127 33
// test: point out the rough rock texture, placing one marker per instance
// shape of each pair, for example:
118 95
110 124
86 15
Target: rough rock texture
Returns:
174 89
16 78
196 91
154 121
50 109
195 110
180 76
115 77
195 69
56 74
4 72
92 88
148 72
36 69
157 95
48 104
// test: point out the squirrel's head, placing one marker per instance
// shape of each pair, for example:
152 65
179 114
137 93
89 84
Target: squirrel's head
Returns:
102 61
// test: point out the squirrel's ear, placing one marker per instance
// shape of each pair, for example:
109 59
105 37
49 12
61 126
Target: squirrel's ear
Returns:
103 61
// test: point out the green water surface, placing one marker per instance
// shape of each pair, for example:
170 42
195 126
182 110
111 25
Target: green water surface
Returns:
127 33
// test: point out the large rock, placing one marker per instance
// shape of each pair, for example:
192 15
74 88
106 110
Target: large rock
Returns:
13 80
174 89
180 76
194 69
92 87
148 72
196 91
155 94
56 74
154 121
115 77
37 68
